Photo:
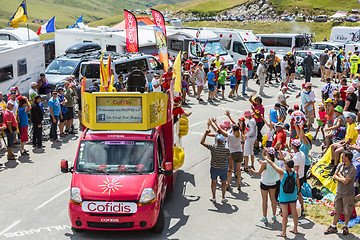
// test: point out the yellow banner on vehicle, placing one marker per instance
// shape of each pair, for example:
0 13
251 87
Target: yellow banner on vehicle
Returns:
319 171
124 110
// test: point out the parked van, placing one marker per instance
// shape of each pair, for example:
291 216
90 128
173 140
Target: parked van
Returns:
182 38
18 34
238 43
20 64
69 64
122 64
345 34
285 42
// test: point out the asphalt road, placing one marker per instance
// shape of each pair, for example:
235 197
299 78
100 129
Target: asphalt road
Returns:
34 194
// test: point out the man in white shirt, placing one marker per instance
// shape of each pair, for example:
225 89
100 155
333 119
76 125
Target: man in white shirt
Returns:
283 66
156 83
299 167
328 90
261 71
249 141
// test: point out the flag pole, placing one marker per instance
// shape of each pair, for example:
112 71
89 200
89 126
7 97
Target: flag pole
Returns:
27 23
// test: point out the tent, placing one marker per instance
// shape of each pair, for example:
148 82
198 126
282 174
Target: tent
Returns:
142 21
338 15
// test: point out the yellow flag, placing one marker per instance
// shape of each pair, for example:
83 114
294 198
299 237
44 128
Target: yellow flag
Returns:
177 73
20 16
111 86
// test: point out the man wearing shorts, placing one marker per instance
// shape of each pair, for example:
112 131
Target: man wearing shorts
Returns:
281 98
344 200
211 84
218 164
308 105
250 140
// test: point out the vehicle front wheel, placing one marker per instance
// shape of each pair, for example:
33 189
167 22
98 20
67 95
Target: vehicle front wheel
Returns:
160 223
77 230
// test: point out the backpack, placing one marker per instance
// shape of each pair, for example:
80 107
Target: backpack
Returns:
290 183
326 93
306 190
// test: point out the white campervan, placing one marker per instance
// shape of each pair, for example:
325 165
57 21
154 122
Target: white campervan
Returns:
18 34
345 34
285 42
182 38
113 40
238 42
20 64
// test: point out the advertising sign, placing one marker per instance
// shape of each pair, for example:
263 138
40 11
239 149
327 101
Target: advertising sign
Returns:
119 110
132 38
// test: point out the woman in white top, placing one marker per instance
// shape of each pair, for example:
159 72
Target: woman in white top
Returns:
200 79
269 177
330 66
235 146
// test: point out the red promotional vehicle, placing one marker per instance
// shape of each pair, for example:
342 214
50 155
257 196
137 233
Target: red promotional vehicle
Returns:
124 163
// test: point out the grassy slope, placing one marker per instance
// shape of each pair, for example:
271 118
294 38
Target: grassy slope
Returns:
201 5
320 29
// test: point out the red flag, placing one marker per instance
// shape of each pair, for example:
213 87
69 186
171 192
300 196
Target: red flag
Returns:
159 19
132 37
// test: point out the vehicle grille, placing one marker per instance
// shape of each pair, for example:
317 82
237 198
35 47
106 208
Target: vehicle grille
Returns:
110 214
111 225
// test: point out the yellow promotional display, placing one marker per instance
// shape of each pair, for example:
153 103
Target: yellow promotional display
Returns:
184 126
125 110
319 171
179 157
177 73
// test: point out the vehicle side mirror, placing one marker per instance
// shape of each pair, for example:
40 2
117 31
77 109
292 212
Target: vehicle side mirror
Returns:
65 166
168 171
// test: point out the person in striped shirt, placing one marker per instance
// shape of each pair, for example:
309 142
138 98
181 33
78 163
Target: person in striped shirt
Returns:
218 164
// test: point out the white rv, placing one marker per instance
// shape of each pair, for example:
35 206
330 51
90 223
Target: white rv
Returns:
20 64
345 34
238 42
285 42
18 34
113 40
182 39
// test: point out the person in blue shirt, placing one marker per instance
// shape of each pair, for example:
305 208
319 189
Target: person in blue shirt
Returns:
205 61
232 85
55 115
211 84
286 199
274 114
24 106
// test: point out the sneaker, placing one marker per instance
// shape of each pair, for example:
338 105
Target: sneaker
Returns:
331 230
224 200
345 230
24 153
212 200
273 218
264 219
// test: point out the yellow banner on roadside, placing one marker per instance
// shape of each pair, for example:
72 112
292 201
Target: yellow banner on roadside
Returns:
319 171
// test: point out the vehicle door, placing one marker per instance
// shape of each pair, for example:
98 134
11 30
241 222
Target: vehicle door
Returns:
161 159
239 50
154 67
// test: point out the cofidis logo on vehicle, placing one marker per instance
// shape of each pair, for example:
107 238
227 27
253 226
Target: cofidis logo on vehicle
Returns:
109 207
110 186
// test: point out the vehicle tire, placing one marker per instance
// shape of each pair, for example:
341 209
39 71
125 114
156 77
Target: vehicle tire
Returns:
160 223
77 230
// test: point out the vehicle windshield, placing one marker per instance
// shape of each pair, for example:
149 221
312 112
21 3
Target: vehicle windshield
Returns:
253 46
115 157
214 48
61 67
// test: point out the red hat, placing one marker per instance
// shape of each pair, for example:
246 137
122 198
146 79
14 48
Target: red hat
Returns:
296 107
239 62
227 123
242 119
247 113
271 50
303 85
20 98
177 99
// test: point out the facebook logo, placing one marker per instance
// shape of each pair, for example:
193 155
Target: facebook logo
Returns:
101 117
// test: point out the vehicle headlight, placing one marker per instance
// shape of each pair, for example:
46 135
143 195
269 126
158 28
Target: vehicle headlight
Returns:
75 195
147 196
